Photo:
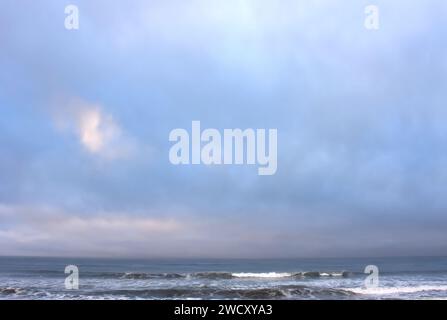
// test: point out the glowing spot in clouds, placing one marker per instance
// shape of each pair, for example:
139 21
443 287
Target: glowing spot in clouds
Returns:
96 131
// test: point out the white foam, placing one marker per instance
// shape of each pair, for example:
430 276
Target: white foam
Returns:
396 290
261 275
331 274
337 274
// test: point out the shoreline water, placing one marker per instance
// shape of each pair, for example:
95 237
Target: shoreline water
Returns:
400 278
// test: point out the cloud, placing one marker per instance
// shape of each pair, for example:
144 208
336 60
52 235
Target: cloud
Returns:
30 229
40 230
45 230
98 132
95 131
360 118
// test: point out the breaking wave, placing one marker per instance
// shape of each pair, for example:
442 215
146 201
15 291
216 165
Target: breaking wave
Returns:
397 290
282 292
232 275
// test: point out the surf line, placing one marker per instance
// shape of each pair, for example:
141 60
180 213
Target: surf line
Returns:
208 147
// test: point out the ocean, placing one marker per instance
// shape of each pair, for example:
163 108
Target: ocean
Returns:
399 278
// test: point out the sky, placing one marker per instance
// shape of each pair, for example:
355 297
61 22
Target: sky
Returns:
85 117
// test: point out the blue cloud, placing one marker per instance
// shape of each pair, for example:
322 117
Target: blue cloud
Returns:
360 117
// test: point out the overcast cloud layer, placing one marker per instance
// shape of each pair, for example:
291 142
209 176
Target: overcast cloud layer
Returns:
85 117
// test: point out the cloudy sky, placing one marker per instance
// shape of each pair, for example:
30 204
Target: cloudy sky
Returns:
85 117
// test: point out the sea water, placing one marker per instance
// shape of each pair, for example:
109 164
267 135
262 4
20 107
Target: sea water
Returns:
341 278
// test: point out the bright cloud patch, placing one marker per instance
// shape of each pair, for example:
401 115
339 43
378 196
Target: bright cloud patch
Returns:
93 130
98 132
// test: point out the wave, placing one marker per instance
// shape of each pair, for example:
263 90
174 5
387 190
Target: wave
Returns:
397 290
261 275
216 275
138 275
211 275
11 291
232 275
282 292
308 274
198 275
